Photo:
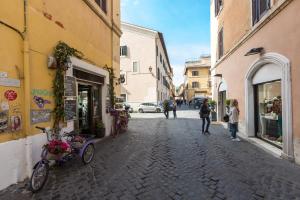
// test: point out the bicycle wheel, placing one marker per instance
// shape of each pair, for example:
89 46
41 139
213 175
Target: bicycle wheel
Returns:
39 176
88 154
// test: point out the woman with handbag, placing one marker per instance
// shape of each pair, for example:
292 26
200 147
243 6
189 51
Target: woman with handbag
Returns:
234 119
204 115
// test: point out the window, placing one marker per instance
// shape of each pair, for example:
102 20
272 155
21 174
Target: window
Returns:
195 73
195 84
218 6
158 74
124 97
160 58
135 66
156 50
123 51
259 9
220 44
101 4
123 77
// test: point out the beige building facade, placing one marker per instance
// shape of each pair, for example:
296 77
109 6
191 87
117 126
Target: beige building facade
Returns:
145 66
255 60
197 78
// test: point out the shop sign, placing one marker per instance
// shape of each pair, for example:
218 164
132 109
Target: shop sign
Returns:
10 95
41 92
40 101
10 82
70 109
70 86
38 116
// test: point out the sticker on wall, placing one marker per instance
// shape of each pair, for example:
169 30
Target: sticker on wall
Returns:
4 106
40 101
15 108
16 123
41 92
10 95
3 121
38 116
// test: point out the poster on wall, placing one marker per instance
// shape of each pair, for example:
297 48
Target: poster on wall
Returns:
70 86
3 121
16 124
38 116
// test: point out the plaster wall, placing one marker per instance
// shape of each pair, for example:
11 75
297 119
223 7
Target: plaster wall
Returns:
280 35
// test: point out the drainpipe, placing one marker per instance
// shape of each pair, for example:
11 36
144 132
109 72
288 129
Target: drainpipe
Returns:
28 141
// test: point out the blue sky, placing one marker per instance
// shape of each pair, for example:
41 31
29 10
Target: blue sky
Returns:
184 23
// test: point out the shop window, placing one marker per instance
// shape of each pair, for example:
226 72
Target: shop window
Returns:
259 9
269 112
195 73
102 4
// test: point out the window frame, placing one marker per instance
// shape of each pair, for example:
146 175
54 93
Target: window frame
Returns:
256 13
102 5
219 4
137 67
122 51
197 84
220 47
197 74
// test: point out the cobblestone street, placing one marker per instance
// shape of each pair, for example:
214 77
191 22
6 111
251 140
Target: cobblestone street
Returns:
169 159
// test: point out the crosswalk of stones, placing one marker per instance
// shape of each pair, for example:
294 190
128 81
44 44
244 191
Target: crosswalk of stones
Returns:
170 159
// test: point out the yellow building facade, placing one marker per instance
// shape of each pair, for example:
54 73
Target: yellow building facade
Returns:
197 78
29 30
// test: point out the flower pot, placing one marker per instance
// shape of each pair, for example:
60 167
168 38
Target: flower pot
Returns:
100 132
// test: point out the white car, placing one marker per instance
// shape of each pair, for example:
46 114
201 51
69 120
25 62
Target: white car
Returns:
149 107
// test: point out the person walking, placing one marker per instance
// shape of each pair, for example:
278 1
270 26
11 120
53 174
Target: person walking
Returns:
234 119
204 115
174 109
166 108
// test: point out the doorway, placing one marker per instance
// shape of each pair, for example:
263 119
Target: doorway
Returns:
89 107
222 104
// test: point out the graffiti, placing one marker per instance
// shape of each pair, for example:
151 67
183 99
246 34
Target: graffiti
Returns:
3 120
16 124
40 101
40 92
10 95
38 116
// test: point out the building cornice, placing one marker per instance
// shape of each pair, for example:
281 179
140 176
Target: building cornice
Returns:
266 19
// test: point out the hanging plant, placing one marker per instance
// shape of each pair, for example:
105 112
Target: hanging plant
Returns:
111 88
62 54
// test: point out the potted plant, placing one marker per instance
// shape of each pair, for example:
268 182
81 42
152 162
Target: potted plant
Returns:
212 105
100 129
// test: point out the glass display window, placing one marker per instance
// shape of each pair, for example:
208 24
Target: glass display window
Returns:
269 112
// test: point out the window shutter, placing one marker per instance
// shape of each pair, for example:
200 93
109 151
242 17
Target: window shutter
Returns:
125 50
216 7
254 12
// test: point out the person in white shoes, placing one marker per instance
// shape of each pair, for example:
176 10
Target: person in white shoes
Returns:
234 119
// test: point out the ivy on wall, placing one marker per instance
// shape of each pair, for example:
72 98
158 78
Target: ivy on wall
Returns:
62 54
111 89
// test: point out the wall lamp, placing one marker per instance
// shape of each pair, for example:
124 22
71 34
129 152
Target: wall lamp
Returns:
150 69
254 51
218 75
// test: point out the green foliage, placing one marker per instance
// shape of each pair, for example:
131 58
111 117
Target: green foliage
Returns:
100 125
212 102
111 87
227 102
62 54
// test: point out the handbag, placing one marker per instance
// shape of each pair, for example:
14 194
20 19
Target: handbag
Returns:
226 118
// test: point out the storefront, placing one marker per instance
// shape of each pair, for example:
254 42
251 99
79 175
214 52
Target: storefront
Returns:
268 112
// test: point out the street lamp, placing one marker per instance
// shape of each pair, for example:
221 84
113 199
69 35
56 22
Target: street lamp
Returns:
254 51
150 69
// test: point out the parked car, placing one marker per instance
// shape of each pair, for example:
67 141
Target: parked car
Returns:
149 107
198 102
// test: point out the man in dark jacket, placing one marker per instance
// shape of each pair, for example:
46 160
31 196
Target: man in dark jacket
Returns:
204 115
166 108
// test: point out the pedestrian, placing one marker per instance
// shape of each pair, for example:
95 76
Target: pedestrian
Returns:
204 115
166 108
234 119
174 110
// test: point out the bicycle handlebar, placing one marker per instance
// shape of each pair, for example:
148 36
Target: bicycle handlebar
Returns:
40 128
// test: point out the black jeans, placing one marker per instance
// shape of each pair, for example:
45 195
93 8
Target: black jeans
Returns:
203 124
174 114
166 112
